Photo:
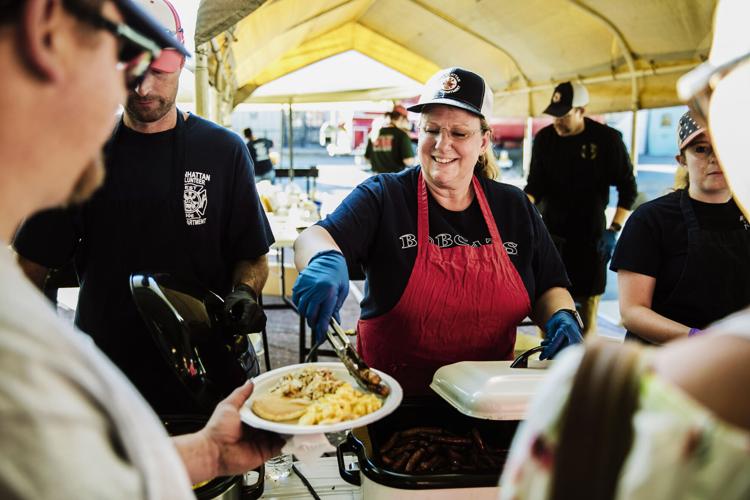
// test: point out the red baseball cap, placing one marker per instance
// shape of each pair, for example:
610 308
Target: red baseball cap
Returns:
400 110
169 60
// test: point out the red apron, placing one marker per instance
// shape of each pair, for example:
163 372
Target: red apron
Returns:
460 304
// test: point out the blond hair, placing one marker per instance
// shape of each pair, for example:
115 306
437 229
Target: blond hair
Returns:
487 164
681 178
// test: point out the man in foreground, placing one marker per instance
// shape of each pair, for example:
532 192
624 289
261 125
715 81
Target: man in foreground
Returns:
73 426
178 198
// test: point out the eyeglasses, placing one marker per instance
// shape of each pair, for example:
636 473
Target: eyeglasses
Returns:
136 52
458 134
697 90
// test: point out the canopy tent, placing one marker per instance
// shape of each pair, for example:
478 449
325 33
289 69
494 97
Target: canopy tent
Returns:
629 54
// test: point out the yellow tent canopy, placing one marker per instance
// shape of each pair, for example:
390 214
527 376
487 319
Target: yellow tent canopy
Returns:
629 53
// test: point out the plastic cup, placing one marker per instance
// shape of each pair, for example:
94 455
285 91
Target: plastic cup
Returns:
279 467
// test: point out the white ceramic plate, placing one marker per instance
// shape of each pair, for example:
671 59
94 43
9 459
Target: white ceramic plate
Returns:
264 383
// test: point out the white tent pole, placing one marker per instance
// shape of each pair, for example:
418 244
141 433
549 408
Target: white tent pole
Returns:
202 87
682 68
291 144
634 142
527 132
527 142
281 136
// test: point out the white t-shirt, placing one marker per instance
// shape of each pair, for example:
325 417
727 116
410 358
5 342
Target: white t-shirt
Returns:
72 425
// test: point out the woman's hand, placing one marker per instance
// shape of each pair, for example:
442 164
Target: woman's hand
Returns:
563 329
320 291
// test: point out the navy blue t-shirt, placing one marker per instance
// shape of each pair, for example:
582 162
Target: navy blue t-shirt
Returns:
376 229
259 152
182 202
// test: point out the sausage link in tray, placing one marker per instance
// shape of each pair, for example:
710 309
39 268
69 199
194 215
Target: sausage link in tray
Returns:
434 450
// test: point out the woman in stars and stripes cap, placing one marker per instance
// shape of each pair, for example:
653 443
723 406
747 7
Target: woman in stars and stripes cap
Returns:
683 260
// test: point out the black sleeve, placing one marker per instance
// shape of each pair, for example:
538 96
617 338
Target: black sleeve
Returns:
535 181
548 267
638 249
49 238
368 149
249 233
622 174
355 221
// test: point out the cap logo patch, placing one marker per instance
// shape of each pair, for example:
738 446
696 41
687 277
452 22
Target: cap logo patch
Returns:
450 83
556 97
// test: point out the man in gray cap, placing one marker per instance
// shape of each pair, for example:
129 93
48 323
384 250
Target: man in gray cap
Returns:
73 426
574 161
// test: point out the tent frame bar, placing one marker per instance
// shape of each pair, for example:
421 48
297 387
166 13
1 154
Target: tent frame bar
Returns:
682 68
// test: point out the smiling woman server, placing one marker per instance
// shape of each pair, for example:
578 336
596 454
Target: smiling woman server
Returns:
453 260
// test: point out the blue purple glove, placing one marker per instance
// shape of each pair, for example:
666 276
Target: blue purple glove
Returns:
607 244
320 291
562 330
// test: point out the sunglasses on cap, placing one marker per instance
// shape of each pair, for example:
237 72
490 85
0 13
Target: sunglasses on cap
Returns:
136 52
696 87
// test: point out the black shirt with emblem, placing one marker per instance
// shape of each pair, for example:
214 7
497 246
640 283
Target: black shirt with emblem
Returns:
182 202
376 229
570 178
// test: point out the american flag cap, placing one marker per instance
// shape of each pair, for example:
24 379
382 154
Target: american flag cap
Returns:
687 130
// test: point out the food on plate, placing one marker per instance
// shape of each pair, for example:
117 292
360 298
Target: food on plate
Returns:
434 450
278 408
313 396
373 382
310 383
346 403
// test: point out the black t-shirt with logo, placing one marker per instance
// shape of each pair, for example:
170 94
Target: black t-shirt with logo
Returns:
154 213
571 177
389 150
259 152
376 229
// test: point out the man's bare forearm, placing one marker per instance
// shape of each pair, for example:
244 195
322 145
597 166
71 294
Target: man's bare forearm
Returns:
621 214
253 273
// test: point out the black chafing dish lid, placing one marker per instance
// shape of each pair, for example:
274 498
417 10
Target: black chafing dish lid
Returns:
186 322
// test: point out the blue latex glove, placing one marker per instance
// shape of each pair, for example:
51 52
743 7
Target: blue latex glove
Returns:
607 244
562 330
320 291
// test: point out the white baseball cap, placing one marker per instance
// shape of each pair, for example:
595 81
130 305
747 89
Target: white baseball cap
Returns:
170 60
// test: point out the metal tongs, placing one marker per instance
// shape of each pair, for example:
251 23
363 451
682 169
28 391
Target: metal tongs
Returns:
356 366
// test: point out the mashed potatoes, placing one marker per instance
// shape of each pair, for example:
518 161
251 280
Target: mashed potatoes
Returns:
346 403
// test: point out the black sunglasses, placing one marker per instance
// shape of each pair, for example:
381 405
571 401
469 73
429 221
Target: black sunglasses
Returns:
136 52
